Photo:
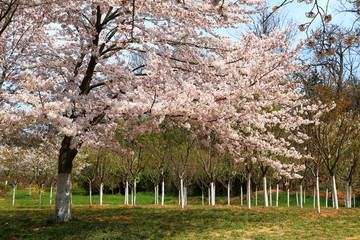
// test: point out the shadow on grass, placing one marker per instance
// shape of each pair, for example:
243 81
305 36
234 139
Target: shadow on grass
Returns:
119 222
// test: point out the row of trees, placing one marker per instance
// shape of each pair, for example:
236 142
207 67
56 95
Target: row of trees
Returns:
91 71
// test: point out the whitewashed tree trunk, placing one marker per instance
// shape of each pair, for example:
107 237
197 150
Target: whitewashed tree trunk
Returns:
14 194
51 194
354 197
202 197
212 187
241 196
135 192
90 193
209 194
162 193
318 194
30 189
182 193
248 190
297 198
301 196
179 197
63 198
326 197
6 182
132 196
228 193
270 195
126 200
336 202
155 193
288 197
40 199
256 196
185 195
277 195
266 203
304 196
314 198
101 192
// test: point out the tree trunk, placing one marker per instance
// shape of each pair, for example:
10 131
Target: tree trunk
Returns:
90 194
288 197
228 193
63 193
14 193
63 198
241 196
126 201
101 192
297 198
30 187
134 203
155 193
326 197
314 198
265 193
248 190
256 196
162 192
209 194
51 193
301 196
39 194
202 197
336 202
132 196
270 195
185 195
212 191
277 195
317 194
354 197
304 196
182 193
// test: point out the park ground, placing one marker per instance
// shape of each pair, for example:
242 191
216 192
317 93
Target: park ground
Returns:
28 220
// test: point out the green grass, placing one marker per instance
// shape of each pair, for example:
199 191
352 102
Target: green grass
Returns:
28 220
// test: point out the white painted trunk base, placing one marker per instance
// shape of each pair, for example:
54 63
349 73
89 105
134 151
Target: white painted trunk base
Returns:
301 196
101 192
336 202
248 191
14 194
63 198
266 203
162 193
277 195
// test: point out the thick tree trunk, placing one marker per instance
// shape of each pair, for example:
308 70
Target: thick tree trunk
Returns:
51 194
277 195
101 192
63 193
14 194
266 203
248 190
182 193
288 197
326 197
162 193
301 196
318 194
63 198
336 202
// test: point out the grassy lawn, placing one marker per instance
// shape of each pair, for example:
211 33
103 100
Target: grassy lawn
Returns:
28 220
